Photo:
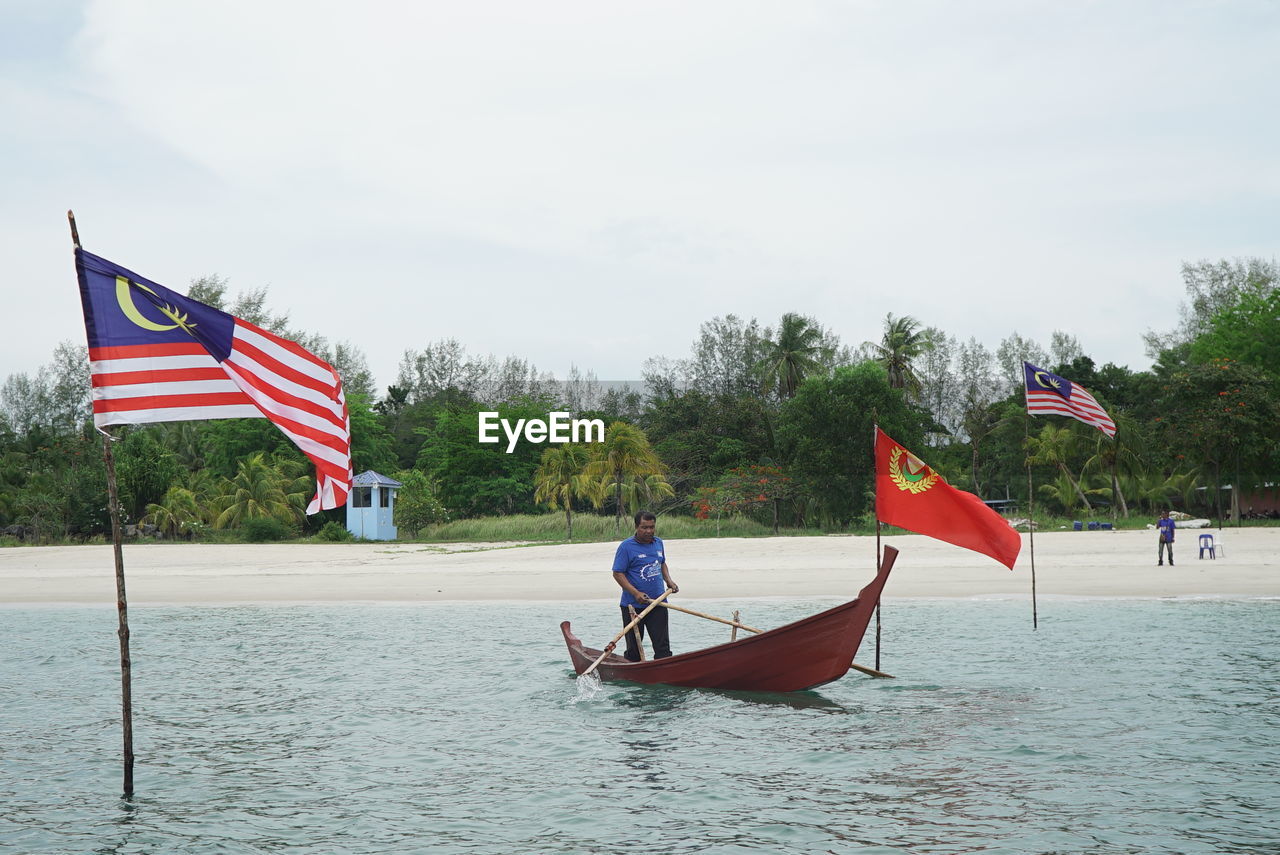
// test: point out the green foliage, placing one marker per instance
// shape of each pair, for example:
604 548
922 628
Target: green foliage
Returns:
259 490
792 355
1228 414
588 528
231 441
826 433
1204 415
481 478
334 532
62 493
417 503
265 530
177 513
144 470
904 340
1055 445
625 468
699 436
560 480
1247 332
372 445
748 490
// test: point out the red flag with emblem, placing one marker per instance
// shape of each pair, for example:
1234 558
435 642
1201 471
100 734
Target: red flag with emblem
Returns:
910 495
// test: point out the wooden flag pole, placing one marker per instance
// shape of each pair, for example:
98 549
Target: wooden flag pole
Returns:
877 599
875 438
122 603
1031 520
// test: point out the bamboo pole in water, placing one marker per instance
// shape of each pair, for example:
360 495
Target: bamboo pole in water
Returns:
122 601
1031 522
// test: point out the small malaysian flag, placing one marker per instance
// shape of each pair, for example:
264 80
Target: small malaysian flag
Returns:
1049 393
158 356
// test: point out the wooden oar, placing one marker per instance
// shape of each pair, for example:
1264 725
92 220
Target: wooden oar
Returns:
608 648
712 617
855 666
871 671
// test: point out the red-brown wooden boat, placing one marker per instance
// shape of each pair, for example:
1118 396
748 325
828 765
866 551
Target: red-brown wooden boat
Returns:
800 655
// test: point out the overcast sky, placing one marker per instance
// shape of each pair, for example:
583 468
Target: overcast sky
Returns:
585 183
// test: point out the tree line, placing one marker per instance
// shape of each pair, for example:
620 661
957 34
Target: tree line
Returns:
771 421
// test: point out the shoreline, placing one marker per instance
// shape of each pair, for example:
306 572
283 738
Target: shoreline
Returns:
1108 564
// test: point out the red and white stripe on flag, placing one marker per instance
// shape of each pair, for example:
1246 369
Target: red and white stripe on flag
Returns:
159 356
1079 404
265 376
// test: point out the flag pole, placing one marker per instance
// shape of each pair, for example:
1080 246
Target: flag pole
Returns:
122 604
875 487
1031 512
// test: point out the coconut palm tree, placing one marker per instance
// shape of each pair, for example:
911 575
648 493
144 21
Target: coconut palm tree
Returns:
625 453
638 491
1115 455
559 479
1055 446
792 356
1062 491
257 490
175 513
904 339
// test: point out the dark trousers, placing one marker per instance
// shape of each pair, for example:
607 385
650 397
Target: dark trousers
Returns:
655 623
1164 544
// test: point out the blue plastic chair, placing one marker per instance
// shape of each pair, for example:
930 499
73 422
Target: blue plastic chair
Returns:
1206 545
1077 525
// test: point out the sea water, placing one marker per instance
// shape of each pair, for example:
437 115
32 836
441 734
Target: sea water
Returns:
1128 726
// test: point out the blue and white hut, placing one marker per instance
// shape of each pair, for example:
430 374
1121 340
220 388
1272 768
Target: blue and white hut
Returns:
371 506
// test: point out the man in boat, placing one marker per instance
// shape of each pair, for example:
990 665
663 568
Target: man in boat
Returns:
640 569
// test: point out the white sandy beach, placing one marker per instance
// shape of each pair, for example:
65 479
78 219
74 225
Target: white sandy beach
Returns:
1076 564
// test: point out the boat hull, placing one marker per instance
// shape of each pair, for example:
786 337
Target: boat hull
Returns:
800 655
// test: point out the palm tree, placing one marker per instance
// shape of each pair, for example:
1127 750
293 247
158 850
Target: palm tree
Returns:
1116 455
625 453
1062 491
559 479
904 339
1054 446
792 356
637 490
257 490
175 513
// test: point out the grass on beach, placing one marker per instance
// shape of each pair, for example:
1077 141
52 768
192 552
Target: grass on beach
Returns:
595 528
592 528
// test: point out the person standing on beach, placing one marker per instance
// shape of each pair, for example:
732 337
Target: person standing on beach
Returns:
1165 526
640 569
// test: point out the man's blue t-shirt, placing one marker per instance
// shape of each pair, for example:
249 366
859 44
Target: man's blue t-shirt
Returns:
642 562
1166 529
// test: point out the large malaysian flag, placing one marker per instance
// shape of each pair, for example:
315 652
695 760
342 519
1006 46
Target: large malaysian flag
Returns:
1049 393
158 356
